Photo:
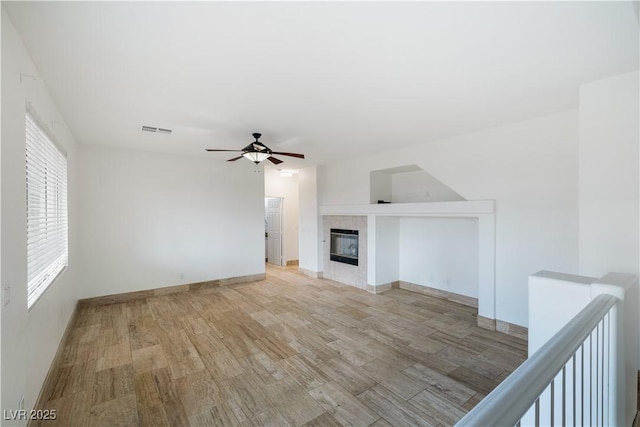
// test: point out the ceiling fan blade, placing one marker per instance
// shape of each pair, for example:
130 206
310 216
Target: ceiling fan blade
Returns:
216 149
298 155
234 159
274 160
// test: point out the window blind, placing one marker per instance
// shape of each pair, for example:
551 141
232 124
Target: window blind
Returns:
47 226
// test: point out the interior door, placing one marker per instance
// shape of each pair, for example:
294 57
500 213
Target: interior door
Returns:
274 230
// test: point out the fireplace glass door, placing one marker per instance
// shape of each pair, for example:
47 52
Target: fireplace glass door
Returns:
344 246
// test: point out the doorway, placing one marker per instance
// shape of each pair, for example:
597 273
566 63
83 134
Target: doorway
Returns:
273 230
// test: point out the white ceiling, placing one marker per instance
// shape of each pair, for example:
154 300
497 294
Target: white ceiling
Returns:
328 79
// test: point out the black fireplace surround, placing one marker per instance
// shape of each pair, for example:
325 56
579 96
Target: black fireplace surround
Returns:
344 246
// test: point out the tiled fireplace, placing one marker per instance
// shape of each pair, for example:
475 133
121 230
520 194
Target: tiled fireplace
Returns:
345 249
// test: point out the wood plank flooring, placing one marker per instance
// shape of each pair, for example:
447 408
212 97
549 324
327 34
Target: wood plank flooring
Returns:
286 351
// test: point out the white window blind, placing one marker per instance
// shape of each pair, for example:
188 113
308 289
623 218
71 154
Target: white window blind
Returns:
47 227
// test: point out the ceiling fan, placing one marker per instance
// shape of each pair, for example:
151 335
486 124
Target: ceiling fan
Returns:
257 152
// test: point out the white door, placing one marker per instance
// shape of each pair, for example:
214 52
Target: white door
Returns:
274 230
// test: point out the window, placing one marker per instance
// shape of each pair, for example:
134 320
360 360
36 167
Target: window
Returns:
47 228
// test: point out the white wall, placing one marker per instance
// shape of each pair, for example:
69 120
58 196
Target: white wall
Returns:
153 220
287 188
30 339
608 176
386 241
310 223
441 253
380 186
419 186
530 168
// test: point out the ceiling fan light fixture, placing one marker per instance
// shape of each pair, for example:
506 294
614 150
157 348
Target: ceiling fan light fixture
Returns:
256 156
258 152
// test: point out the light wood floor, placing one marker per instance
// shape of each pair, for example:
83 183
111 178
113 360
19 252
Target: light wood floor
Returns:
289 350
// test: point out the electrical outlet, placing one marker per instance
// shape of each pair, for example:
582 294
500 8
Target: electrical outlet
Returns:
6 294
181 276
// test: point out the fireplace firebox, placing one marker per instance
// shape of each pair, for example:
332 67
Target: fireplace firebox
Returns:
344 246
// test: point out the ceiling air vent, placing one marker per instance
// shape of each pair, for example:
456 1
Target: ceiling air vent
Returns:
156 130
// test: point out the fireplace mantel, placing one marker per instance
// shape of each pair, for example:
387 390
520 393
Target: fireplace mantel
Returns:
376 217
463 208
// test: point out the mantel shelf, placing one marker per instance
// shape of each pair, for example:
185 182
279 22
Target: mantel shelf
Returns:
463 208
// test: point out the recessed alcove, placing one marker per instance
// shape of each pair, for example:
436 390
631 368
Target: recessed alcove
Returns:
409 184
